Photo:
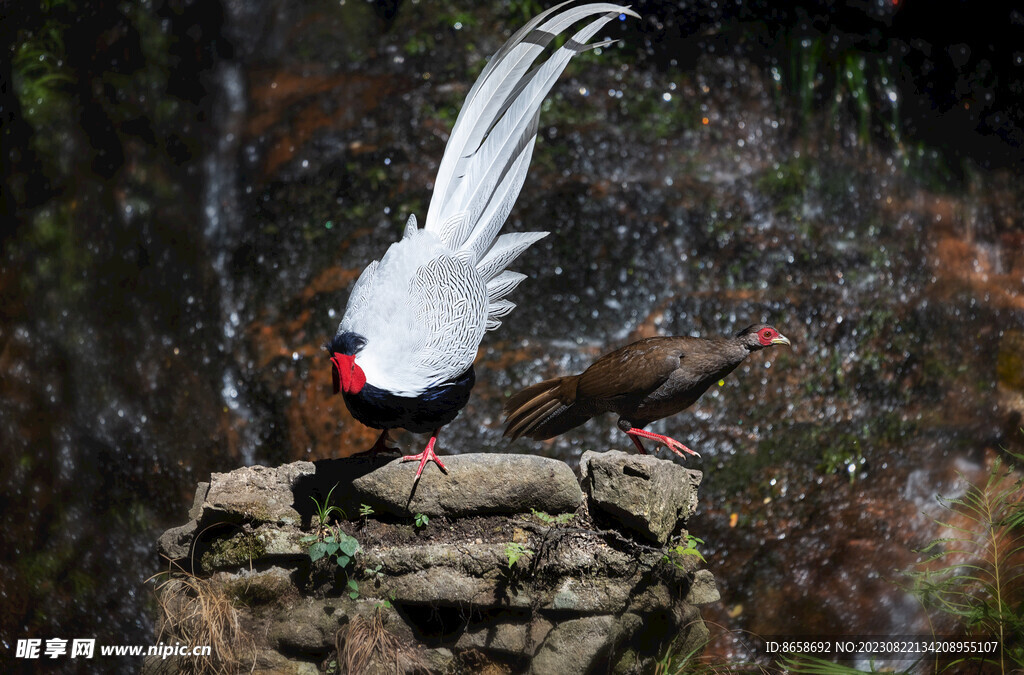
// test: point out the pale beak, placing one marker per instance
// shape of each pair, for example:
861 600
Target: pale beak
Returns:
781 340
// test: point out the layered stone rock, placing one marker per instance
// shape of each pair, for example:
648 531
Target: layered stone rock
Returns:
503 561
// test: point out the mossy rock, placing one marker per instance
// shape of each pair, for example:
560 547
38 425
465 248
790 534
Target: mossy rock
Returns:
240 550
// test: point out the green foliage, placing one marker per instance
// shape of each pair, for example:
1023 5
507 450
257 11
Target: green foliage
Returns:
40 74
676 554
548 519
421 520
386 602
365 510
324 511
55 243
353 587
514 551
975 574
329 540
337 544
849 81
843 456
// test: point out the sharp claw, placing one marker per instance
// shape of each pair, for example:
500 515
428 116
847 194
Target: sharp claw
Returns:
427 455
692 452
670 443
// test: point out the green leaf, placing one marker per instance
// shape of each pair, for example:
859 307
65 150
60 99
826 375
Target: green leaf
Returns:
514 551
343 560
349 545
317 551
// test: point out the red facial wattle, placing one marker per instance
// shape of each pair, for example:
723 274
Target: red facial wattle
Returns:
346 375
768 336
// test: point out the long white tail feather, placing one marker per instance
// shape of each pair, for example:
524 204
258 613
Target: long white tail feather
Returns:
499 83
509 130
505 249
502 71
544 35
503 189
424 307
501 204
501 56
484 166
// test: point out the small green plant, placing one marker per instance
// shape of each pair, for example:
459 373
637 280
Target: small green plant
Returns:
353 587
325 510
340 546
548 519
420 520
514 551
386 602
974 575
677 553
328 540
365 510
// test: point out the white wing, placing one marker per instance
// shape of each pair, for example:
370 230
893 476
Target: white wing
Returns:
423 312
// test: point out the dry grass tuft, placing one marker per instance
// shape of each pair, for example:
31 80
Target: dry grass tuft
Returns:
363 643
196 612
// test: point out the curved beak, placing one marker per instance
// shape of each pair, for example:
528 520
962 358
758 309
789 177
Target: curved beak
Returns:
781 340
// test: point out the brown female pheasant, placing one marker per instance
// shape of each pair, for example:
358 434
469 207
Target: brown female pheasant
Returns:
641 382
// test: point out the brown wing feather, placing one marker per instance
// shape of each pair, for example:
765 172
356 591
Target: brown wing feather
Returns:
634 371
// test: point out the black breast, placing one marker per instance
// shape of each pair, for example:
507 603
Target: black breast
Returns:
434 408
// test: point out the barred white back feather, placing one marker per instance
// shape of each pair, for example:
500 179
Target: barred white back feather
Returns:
424 307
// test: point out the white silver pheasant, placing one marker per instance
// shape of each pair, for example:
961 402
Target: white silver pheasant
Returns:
403 354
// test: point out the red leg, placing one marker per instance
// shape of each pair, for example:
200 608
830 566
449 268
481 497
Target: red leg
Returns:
638 444
670 443
425 456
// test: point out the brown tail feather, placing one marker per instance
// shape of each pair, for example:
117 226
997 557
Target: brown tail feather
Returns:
544 410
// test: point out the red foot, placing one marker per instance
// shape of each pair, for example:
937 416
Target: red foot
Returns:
670 443
425 456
